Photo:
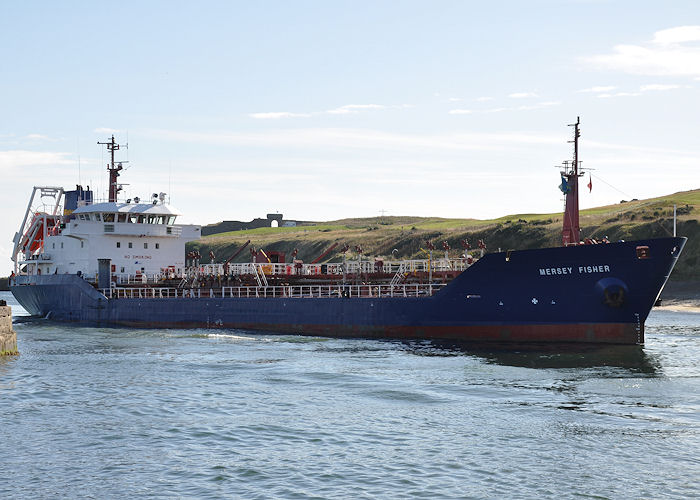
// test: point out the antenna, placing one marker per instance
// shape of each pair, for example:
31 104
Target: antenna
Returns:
79 162
170 189
577 134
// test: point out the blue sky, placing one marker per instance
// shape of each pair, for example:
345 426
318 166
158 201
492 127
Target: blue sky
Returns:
323 110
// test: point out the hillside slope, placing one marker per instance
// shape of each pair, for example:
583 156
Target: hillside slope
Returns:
405 237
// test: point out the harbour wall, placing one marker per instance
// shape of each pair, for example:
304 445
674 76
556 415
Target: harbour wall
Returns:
8 337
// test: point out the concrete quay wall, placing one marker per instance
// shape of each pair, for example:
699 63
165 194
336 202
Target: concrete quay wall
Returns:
8 337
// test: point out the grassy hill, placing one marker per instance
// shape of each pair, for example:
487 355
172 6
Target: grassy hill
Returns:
405 237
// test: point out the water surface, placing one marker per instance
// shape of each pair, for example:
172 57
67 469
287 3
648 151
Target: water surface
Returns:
126 413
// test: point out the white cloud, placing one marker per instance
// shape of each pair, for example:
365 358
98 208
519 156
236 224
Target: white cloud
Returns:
620 94
658 86
677 35
599 88
106 130
455 99
539 105
653 87
278 115
522 95
528 107
669 53
342 110
38 137
21 158
355 108
484 99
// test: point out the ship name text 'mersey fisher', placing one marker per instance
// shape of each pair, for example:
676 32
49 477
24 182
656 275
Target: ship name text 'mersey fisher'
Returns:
555 271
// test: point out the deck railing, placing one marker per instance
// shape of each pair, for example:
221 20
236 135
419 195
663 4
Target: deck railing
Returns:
352 267
291 292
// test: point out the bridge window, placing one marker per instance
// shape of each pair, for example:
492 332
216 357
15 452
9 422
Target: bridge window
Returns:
119 244
157 246
131 245
145 245
108 217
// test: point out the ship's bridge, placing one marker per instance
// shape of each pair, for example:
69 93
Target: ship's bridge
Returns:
136 213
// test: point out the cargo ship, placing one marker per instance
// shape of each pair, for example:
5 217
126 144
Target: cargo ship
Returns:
124 262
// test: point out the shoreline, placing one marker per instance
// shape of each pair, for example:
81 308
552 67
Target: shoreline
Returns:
681 296
684 306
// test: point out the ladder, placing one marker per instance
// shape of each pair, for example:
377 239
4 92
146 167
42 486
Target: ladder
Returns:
400 275
260 275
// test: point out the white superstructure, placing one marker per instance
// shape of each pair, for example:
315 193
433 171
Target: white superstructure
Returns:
71 234
138 238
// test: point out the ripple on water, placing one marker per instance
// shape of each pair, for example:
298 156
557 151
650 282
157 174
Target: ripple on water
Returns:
114 413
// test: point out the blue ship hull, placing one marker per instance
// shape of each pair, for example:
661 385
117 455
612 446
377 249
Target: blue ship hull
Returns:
589 293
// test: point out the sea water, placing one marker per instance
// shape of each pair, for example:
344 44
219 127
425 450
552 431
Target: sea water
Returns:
91 412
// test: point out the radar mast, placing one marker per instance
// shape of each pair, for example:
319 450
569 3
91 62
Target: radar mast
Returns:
113 168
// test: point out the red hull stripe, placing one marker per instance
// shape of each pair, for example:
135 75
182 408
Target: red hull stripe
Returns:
598 333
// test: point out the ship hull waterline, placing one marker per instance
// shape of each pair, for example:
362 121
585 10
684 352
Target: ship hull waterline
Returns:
583 294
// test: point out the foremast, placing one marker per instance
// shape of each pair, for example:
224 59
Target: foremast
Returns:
571 233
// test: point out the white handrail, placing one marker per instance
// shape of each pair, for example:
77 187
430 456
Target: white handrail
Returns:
289 291
335 268
397 269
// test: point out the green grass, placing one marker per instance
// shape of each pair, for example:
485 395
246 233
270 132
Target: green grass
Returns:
379 236
260 231
374 228
345 227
